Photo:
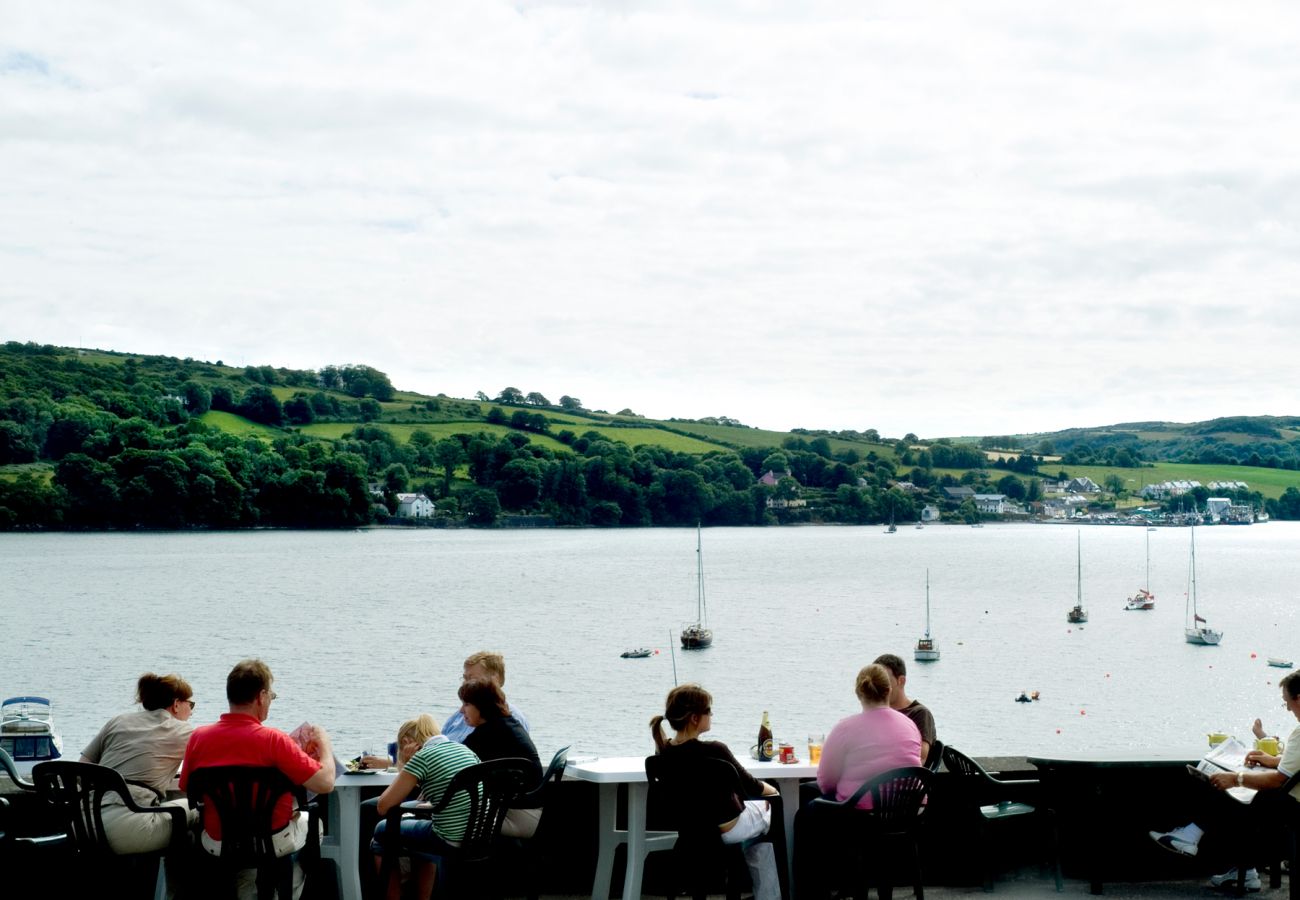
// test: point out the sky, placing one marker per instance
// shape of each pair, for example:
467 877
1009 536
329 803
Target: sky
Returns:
938 218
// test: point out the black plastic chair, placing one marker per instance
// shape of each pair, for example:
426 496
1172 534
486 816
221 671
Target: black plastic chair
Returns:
76 792
687 791
492 788
244 798
1268 825
979 797
11 769
536 799
895 819
935 759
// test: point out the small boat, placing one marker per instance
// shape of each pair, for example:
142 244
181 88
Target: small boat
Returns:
637 653
1078 615
1024 698
919 525
926 648
27 732
699 635
1143 599
1280 663
1196 630
892 527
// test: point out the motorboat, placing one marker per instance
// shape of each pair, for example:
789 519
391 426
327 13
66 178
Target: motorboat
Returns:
637 653
1280 663
27 732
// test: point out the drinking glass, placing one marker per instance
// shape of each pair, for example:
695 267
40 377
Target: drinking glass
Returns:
815 742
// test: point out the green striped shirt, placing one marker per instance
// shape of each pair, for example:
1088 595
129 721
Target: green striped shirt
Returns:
433 767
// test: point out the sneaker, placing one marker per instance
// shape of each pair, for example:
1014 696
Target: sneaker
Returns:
1229 880
1173 844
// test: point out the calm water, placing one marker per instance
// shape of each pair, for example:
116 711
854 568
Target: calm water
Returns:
364 629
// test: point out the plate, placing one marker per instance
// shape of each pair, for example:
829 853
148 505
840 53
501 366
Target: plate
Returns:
364 771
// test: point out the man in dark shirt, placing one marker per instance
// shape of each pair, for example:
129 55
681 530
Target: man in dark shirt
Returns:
913 709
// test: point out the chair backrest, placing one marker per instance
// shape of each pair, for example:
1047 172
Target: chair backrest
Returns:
960 764
11 769
935 759
76 791
244 799
898 798
690 789
554 772
492 787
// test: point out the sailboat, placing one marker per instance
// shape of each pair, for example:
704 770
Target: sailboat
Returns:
892 527
1078 615
699 635
1195 629
1143 599
926 649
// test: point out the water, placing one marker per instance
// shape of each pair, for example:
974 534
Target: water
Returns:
364 629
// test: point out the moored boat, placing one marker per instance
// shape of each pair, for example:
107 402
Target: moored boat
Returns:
1078 615
27 732
926 648
637 653
1280 663
1196 629
1143 599
698 635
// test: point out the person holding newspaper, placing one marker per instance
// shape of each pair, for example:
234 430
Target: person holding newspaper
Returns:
1262 772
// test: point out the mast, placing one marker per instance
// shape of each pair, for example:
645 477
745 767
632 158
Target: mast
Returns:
927 604
699 575
1079 561
1148 587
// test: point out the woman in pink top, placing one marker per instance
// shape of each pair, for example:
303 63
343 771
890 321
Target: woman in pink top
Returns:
862 746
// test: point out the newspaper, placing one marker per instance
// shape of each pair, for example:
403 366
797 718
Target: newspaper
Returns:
1226 756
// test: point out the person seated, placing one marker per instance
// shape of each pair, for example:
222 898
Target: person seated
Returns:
742 820
411 736
146 746
483 664
859 748
240 738
498 735
430 770
1273 772
913 709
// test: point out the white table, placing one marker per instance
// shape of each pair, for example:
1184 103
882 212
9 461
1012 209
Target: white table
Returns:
610 772
343 843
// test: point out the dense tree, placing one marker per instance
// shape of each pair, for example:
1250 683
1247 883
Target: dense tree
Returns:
511 395
570 403
260 405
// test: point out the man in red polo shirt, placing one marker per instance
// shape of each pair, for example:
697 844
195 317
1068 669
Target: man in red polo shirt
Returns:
240 739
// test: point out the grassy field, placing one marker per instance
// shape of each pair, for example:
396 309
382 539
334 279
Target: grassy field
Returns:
238 425
436 430
42 470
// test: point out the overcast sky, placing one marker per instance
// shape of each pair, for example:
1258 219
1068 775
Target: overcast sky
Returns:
943 218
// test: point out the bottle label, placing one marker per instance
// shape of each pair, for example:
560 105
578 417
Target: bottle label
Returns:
765 753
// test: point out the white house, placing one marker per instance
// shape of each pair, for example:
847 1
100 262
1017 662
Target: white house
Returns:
991 503
930 513
415 506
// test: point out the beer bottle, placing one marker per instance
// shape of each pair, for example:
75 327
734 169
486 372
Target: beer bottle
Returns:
765 749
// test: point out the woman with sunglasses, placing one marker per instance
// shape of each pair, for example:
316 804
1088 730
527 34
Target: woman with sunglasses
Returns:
742 820
146 747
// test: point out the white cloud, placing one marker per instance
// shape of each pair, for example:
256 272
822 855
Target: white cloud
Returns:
935 217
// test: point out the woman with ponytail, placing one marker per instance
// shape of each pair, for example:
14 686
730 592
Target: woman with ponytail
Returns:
689 711
146 747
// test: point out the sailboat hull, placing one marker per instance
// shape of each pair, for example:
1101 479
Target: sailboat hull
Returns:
696 638
926 655
1204 636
